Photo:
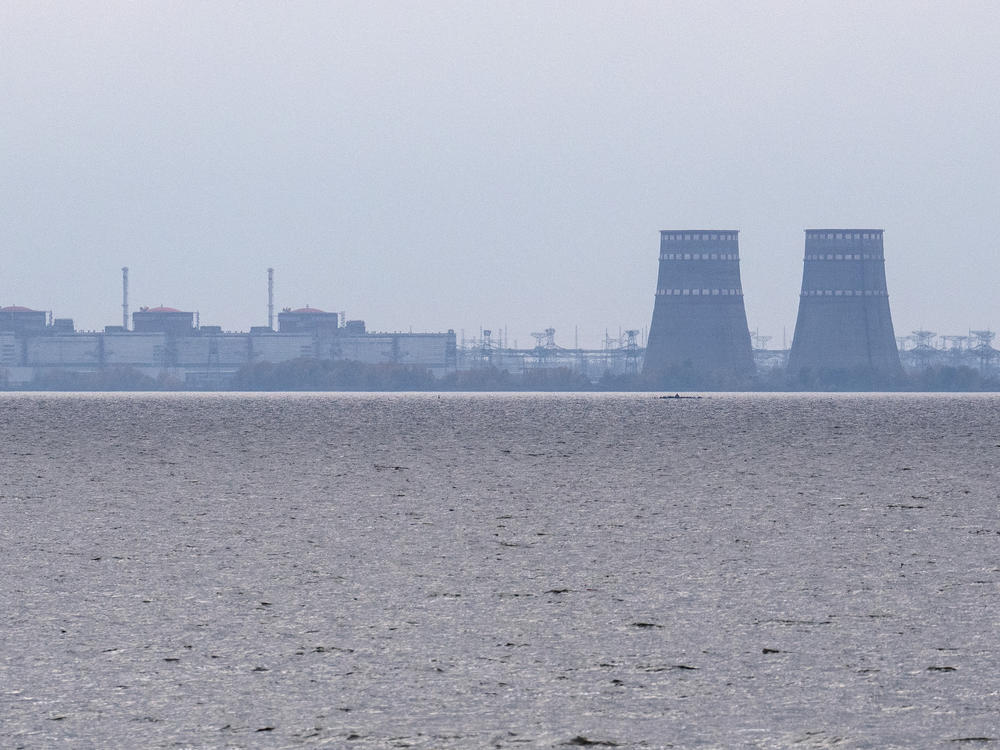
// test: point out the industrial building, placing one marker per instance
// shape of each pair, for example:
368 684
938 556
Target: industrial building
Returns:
699 321
844 325
166 342
698 338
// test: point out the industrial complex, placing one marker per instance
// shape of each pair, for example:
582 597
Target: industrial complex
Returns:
698 336
163 341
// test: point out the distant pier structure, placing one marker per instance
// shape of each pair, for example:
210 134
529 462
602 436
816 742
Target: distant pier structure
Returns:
844 328
699 328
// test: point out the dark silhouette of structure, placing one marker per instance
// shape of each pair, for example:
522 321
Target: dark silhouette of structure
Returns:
22 320
699 329
844 331
163 320
307 319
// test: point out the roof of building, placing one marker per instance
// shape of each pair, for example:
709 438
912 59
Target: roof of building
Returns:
161 309
16 308
308 309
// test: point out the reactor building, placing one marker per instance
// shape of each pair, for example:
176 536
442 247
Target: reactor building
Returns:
699 327
844 325
165 341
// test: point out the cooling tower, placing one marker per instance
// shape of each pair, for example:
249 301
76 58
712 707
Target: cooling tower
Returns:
699 323
844 326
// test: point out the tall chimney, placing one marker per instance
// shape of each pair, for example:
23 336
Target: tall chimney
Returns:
843 333
699 331
270 298
125 297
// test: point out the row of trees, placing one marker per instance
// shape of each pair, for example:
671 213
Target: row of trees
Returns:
344 375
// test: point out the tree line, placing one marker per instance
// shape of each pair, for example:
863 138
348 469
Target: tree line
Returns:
307 374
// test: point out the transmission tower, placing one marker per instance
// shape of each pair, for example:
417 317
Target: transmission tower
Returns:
631 352
981 344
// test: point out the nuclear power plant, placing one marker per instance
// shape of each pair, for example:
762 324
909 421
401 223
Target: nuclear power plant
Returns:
698 338
164 342
844 325
699 327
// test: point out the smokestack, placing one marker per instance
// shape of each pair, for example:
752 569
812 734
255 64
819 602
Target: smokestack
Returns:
270 298
844 327
699 327
125 297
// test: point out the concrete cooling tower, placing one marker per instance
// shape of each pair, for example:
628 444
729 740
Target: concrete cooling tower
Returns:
844 325
699 325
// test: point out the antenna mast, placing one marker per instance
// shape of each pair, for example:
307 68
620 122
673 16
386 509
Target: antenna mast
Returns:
270 298
125 297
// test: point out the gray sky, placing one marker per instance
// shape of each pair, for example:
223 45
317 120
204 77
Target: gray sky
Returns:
454 165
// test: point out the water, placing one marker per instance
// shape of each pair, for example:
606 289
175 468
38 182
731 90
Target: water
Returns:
499 571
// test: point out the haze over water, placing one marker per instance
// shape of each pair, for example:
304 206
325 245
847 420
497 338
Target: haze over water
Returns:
455 571
491 165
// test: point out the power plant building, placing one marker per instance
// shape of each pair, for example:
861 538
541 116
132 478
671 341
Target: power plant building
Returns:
163 320
699 324
167 342
844 325
307 319
23 320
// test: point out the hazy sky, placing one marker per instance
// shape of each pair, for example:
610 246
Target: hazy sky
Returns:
445 165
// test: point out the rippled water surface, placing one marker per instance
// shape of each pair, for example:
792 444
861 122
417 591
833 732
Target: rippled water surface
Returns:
499 571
